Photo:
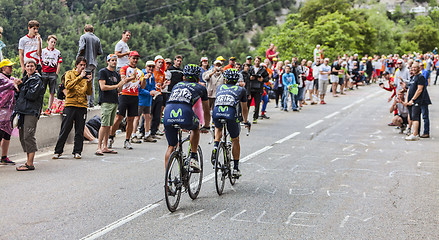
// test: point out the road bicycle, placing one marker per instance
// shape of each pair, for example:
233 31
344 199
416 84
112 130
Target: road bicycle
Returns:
223 160
179 175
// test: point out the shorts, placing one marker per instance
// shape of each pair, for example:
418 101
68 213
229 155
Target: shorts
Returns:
309 85
50 79
144 110
333 78
415 112
182 115
233 126
108 113
27 134
316 84
128 104
229 114
4 135
323 86
341 81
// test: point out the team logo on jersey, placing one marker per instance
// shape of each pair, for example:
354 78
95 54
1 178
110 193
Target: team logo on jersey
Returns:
223 109
232 87
177 113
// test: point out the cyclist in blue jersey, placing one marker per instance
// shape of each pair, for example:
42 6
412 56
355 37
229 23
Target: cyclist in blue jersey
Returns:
179 111
228 96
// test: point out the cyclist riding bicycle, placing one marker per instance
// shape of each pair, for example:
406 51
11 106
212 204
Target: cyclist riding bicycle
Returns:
228 96
179 111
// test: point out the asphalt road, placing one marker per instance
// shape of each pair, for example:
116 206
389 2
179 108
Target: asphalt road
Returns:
329 172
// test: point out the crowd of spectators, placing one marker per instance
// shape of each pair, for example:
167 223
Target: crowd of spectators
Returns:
133 97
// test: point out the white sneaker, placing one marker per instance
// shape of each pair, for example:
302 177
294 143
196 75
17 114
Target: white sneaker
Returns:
412 138
77 156
94 141
139 135
56 156
127 145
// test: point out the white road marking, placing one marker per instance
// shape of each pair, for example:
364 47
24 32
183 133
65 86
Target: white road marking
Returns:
359 101
314 123
348 106
287 137
332 115
216 215
248 157
120 222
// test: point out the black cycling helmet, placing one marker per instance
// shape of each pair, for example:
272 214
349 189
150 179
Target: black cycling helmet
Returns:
192 72
231 75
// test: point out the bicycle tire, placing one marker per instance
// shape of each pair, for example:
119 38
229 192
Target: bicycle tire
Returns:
173 184
195 187
232 179
220 175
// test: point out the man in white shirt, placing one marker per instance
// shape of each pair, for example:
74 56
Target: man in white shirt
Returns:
29 46
325 71
122 50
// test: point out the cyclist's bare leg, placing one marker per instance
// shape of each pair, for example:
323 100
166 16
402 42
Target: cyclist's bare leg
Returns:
236 148
195 139
218 134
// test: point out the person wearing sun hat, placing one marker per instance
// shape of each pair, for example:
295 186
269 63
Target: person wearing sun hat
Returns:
146 96
7 104
222 59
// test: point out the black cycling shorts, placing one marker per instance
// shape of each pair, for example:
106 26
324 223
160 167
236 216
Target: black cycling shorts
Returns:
182 115
228 113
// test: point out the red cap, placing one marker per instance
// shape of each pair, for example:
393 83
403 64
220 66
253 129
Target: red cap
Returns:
134 53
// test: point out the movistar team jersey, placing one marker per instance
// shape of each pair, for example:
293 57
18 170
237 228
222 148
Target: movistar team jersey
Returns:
187 92
230 95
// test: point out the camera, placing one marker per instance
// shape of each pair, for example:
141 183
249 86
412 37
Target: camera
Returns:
87 73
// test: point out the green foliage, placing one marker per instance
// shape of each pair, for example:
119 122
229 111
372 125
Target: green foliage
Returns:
340 29
424 33
190 28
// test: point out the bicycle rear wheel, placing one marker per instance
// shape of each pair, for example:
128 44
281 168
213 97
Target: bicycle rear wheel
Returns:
196 178
220 168
173 181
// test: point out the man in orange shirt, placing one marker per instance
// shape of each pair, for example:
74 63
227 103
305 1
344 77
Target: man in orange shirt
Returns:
129 99
232 63
157 101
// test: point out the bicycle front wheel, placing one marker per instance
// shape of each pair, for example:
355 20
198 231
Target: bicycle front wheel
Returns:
196 178
173 181
220 168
